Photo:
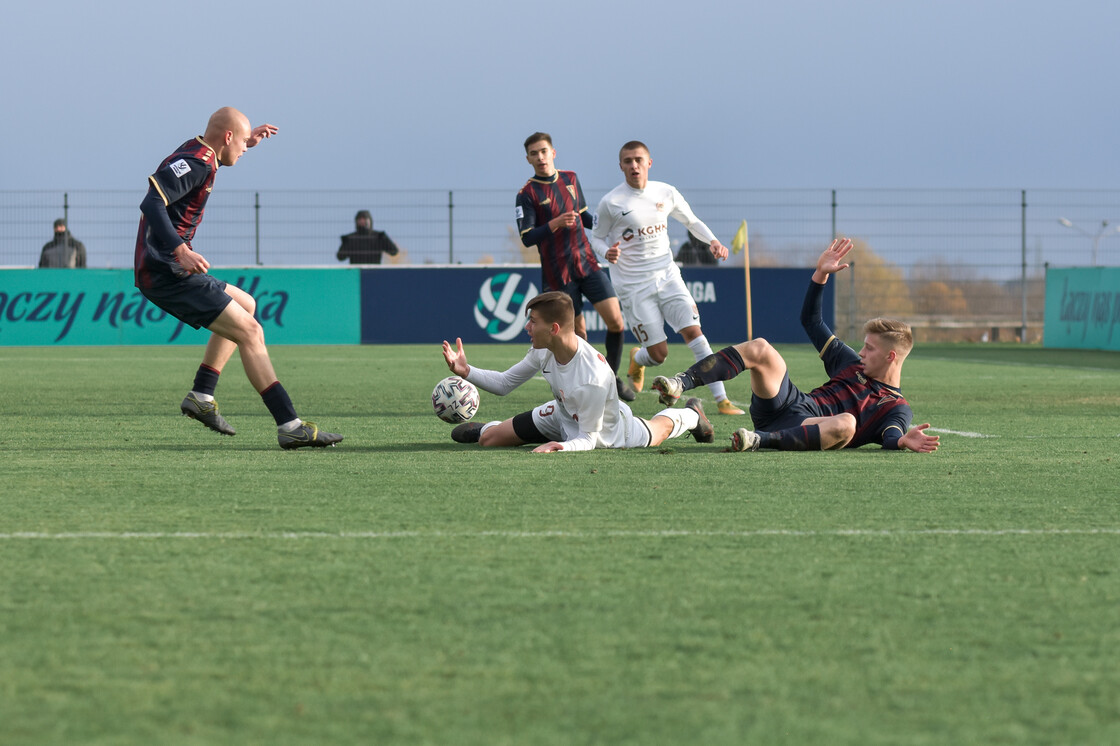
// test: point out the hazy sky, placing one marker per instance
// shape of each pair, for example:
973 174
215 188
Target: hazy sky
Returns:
440 94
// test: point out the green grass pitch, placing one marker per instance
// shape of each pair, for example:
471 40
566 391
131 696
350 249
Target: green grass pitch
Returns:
162 584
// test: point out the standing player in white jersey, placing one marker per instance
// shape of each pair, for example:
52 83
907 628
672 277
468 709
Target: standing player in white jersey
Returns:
585 412
632 233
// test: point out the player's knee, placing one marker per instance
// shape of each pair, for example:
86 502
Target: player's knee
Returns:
492 437
844 427
250 333
756 351
246 301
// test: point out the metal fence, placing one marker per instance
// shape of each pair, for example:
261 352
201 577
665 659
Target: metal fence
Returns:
958 263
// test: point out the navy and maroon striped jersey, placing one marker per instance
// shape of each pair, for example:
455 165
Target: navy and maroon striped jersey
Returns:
183 183
566 254
882 414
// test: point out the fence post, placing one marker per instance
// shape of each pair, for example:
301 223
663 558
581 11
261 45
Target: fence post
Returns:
257 224
1023 237
833 214
66 209
450 229
851 333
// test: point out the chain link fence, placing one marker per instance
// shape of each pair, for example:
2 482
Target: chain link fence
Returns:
955 263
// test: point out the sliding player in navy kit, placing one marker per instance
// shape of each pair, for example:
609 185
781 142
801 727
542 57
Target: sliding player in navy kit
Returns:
174 277
551 215
860 404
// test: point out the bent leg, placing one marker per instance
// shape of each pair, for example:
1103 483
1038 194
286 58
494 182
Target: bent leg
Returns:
499 435
837 430
238 328
656 353
766 365
219 348
581 326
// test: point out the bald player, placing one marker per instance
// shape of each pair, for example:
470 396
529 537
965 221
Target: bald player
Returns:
173 276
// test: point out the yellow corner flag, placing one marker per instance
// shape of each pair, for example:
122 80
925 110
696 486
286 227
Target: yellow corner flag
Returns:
739 242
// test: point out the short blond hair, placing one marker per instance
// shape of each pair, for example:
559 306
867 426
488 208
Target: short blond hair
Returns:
895 334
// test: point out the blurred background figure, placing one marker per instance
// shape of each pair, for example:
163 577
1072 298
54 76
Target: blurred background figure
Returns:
63 250
365 245
693 251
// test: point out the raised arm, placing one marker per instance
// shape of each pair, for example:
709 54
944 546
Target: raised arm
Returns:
261 132
832 260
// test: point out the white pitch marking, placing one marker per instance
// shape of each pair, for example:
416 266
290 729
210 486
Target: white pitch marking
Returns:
958 432
658 534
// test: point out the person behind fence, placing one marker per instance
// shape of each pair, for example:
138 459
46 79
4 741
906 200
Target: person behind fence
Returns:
861 402
176 278
365 245
63 250
694 252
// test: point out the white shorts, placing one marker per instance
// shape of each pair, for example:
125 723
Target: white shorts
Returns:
549 422
649 306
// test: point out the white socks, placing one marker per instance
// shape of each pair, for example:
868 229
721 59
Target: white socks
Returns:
684 419
641 357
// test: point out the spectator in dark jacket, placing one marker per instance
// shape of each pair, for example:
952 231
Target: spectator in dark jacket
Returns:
365 245
64 250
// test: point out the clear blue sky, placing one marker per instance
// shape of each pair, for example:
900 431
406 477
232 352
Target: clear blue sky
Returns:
440 94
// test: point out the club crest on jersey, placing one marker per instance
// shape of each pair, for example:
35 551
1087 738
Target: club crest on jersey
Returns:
571 190
661 207
180 168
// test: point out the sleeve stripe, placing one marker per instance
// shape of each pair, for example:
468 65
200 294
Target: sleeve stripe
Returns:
825 347
155 184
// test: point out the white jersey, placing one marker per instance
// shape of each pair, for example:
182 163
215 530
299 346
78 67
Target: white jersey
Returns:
591 415
638 220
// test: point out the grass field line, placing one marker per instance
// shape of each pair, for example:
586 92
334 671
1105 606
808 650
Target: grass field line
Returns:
964 434
1019 364
552 534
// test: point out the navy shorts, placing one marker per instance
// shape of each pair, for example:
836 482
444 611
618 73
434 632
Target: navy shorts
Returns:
197 300
595 287
788 409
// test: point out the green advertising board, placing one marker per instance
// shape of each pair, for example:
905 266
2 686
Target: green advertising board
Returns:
1083 308
48 307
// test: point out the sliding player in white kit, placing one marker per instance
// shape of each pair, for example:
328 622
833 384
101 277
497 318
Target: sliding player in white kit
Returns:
586 412
631 233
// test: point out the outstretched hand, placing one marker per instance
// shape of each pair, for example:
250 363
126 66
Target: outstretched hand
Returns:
832 260
550 447
918 441
261 132
456 358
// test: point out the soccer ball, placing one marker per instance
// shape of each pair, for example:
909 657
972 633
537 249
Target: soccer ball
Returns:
455 400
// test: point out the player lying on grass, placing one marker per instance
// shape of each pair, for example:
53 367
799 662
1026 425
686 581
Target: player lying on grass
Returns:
860 404
585 412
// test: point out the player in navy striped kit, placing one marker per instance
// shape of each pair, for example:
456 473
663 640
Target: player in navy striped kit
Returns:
861 403
175 278
551 215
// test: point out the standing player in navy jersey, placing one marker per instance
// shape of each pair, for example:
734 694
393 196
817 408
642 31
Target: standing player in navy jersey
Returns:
551 215
174 277
860 404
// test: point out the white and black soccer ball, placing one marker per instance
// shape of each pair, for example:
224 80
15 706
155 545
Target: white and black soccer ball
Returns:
455 400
